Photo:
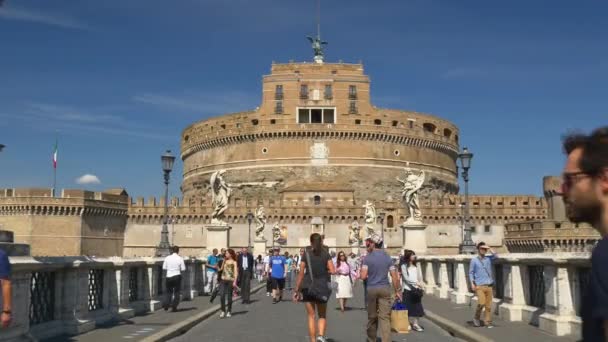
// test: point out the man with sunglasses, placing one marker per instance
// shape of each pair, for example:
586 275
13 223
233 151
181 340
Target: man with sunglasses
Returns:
585 192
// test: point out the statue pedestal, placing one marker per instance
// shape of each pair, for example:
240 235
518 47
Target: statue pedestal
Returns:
218 236
259 247
414 236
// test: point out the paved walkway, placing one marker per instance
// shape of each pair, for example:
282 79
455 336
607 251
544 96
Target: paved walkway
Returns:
286 321
503 331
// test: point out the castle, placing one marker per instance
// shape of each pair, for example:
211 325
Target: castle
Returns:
311 154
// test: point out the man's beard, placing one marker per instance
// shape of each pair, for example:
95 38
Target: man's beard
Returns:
589 212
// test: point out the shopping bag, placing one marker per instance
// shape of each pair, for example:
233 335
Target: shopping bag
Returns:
399 318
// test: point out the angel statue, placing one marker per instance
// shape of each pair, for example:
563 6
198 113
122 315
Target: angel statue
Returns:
370 217
221 194
276 233
354 238
411 186
260 222
317 45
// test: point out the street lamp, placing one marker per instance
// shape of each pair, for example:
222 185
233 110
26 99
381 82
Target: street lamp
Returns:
249 219
381 217
167 160
467 246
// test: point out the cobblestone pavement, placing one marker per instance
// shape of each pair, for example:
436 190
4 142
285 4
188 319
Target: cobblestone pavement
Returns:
286 321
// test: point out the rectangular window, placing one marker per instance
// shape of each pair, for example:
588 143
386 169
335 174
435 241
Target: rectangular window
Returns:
328 116
303 116
316 116
278 92
352 108
411 124
304 91
278 109
328 92
486 228
352 92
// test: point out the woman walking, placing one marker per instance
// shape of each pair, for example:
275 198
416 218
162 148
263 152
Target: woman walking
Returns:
312 286
412 288
230 273
259 268
344 280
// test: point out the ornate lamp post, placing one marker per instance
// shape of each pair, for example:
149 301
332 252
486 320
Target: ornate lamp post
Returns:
381 217
167 160
249 219
467 246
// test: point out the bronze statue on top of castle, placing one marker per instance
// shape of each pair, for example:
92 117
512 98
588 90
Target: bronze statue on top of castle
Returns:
260 222
221 192
411 185
317 47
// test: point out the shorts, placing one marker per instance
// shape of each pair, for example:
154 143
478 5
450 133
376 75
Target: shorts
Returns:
278 283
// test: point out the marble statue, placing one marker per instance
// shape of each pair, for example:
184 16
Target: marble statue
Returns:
370 217
354 237
411 186
260 222
276 233
220 195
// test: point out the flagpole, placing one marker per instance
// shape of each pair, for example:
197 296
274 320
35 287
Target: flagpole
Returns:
55 166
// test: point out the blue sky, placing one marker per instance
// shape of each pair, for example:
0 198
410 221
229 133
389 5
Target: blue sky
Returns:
119 80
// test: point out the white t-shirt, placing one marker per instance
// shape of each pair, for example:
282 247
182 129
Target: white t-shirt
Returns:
174 265
410 277
266 262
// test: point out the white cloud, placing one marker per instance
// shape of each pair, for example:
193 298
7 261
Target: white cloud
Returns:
6 12
87 179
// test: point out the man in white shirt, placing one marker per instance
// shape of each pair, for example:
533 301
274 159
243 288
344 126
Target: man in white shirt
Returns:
174 266
267 273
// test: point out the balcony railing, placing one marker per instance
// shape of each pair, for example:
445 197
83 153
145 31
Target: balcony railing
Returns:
56 296
545 289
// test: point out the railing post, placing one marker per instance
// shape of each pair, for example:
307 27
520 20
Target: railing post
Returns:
444 285
460 293
514 295
75 311
191 269
559 307
152 288
429 276
20 325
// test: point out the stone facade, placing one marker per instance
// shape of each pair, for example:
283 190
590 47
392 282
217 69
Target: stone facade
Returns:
77 223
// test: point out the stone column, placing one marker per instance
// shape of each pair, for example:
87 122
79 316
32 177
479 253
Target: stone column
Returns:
444 284
460 294
218 236
75 311
415 236
514 295
20 325
122 273
559 308
431 283
152 279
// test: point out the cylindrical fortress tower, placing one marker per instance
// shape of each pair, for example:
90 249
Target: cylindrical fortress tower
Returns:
316 128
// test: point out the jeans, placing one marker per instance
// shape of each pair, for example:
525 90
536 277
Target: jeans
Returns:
210 281
484 300
174 285
379 311
226 295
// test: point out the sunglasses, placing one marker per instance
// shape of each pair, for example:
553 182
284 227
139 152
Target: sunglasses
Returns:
570 178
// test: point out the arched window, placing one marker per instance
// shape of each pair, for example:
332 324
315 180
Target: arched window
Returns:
429 127
447 133
317 200
377 122
389 221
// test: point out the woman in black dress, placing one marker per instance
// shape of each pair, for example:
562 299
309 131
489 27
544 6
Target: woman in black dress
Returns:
412 288
322 267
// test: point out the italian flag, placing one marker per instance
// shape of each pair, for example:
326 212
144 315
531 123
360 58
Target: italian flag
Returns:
55 156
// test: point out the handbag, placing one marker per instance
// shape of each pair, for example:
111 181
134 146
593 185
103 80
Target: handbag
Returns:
415 292
318 289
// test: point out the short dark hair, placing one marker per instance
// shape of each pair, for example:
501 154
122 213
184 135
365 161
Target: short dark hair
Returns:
481 243
174 249
595 149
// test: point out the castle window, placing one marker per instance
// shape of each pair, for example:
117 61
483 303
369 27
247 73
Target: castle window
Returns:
395 123
223 126
377 122
254 122
352 92
352 108
238 125
447 133
304 91
389 221
186 138
273 121
410 124
317 200
328 92
278 108
486 228
316 115
357 122
429 127
456 138
278 92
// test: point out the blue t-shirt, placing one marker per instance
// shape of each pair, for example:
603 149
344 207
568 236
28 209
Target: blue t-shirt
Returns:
378 265
212 261
595 301
277 264
5 265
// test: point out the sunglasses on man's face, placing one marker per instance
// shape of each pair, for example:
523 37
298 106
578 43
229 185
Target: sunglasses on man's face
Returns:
570 178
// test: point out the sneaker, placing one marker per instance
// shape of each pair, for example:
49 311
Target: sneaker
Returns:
222 314
228 315
321 339
476 322
489 325
417 327
267 294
